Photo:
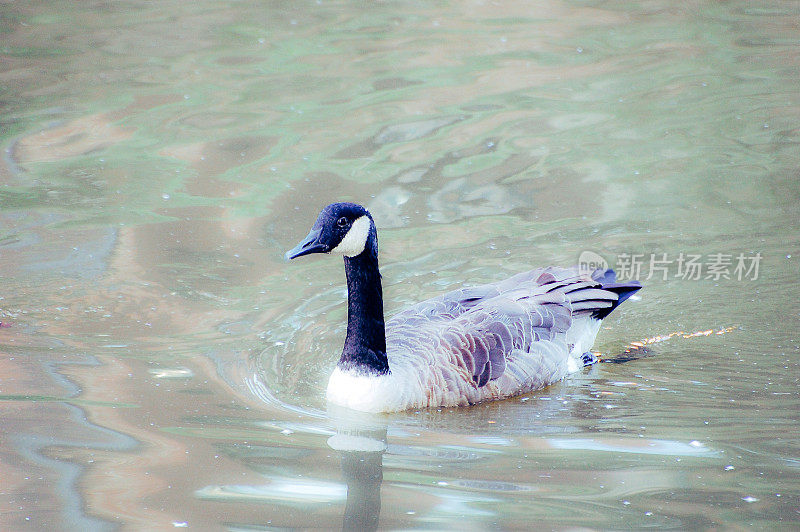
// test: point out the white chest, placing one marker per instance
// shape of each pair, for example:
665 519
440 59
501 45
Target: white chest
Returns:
369 393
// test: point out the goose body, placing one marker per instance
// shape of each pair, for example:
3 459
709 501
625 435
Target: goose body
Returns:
464 347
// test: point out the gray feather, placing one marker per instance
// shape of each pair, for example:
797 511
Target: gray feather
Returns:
523 319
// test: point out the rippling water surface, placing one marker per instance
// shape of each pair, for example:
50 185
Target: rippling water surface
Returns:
162 367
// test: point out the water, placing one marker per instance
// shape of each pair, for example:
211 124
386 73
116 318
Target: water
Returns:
163 367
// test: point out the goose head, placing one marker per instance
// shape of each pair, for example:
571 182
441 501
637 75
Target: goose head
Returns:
344 228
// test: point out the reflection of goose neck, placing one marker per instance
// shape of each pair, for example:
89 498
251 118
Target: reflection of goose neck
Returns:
363 472
361 441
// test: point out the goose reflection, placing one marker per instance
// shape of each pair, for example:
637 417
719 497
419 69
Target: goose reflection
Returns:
360 440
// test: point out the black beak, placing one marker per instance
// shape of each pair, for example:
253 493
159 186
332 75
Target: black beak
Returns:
310 244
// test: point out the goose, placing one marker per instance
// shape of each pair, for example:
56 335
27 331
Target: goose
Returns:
467 346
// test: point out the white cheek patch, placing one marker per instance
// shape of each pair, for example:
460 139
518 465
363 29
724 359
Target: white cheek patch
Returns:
355 240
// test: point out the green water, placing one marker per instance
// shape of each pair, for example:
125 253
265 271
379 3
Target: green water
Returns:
161 366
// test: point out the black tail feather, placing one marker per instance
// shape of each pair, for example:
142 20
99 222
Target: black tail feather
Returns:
608 281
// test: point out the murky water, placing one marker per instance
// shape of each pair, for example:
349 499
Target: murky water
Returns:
163 367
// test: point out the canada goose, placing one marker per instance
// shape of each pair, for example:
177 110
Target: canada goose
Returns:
467 346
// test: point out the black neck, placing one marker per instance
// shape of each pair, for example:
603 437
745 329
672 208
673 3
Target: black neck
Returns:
365 345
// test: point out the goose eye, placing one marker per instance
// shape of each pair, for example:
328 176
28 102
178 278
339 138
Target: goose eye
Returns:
341 222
